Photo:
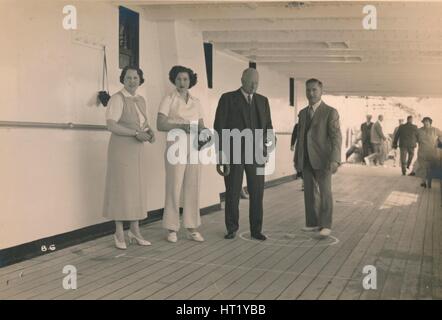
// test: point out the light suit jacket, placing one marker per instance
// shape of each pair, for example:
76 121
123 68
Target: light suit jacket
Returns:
324 138
377 134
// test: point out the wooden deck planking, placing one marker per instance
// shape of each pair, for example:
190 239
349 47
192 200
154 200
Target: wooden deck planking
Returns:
393 279
332 258
350 270
235 277
354 288
141 288
386 252
410 281
297 268
282 266
426 280
327 275
402 240
226 262
437 247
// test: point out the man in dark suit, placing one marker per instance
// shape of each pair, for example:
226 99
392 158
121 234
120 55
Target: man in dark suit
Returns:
318 155
407 136
395 152
365 137
246 111
292 148
294 137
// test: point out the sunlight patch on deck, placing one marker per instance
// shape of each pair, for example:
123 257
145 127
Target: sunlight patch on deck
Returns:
399 199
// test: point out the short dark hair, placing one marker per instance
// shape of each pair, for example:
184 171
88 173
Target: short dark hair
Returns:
313 80
427 119
173 73
138 70
409 117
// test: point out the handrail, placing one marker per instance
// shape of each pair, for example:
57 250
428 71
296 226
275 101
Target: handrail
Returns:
66 126
52 125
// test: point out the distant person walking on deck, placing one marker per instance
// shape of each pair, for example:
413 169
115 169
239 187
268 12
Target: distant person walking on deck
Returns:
428 154
367 148
406 134
377 138
395 151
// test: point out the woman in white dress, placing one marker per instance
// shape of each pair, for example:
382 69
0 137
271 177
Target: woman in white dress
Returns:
125 193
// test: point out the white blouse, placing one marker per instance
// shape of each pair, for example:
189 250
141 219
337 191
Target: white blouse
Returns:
178 111
115 106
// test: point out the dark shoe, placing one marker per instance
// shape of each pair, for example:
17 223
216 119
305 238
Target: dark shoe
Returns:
259 236
230 235
412 174
423 184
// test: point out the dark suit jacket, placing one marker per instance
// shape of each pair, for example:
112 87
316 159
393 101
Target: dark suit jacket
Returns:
407 136
366 132
230 115
324 138
294 135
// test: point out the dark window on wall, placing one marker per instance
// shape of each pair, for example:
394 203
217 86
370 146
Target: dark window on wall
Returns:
292 92
128 35
252 64
208 55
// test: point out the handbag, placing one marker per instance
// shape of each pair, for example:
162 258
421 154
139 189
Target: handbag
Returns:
103 95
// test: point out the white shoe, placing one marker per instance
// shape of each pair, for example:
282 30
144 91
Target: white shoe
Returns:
367 162
310 229
196 236
140 241
172 237
120 244
325 232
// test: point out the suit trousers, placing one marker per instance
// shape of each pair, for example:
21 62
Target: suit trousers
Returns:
318 198
366 149
378 153
255 186
406 162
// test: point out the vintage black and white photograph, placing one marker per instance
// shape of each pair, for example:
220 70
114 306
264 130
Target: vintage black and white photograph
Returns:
247 152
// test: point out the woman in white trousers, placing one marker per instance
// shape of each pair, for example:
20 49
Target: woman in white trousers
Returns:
178 110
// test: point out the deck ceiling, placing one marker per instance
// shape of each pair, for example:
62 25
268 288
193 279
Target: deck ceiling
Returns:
402 57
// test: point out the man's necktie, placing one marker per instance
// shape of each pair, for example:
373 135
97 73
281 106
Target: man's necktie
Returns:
310 112
249 99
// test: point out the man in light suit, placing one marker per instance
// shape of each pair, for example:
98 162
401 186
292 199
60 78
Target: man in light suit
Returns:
377 140
244 109
318 156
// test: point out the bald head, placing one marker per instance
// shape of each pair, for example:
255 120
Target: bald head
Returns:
250 80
